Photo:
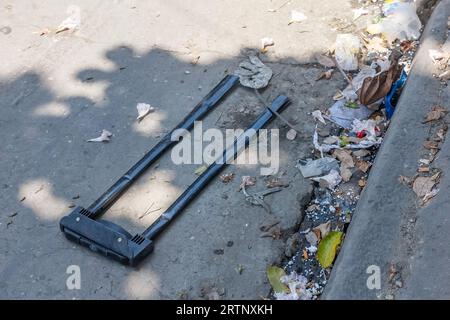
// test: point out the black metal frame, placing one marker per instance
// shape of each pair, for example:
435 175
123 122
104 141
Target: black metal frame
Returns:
83 226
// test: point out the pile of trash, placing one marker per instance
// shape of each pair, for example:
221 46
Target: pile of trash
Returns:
375 64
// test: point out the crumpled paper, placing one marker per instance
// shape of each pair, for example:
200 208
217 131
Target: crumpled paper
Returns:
254 74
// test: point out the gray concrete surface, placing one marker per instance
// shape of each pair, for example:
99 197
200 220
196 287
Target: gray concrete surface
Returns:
57 91
389 227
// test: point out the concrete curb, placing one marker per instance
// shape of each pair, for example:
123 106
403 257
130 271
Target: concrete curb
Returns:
380 232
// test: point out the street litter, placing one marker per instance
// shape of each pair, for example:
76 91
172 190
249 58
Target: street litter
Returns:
71 23
359 12
254 74
343 115
291 134
312 168
104 137
297 16
143 110
266 42
317 114
346 51
401 22
297 288
330 181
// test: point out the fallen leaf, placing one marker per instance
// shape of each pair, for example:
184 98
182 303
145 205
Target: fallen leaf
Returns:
324 229
195 60
327 248
325 61
435 114
274 275
297 16
423 185
407 45
377 87
441 132
143 110
200 170
445 75
305 254
423 169
345 157
104 137
276 183
430 145
227 177
363 165
266 42
325 75
361 183
291 134
317 114
247 181
427 197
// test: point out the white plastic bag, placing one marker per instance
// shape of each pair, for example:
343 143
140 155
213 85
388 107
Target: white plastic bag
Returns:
402 23
346 51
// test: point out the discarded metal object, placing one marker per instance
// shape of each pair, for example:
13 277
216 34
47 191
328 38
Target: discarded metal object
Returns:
110 239
115 242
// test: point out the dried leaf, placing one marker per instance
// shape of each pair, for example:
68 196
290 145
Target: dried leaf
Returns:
143 110
363 165
227 177
377 87
429 196
435 114
247 181
104 137
200 170
266 42
430 145
327 248
325 61
291 134
276 183
423 169
423 185
361 183
326 74
324 229
274 275
345 157
317 114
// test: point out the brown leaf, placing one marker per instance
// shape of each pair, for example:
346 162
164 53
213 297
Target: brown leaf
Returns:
363 165
375 88
227 177
325 75
423 185
305 254
275 183
423 169
325 61
345 157
430 145
247 181
361 183
435 114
